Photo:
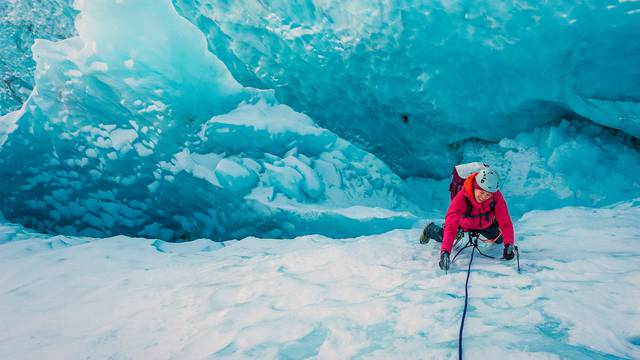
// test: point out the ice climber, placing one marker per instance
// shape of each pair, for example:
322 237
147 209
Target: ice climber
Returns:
478 206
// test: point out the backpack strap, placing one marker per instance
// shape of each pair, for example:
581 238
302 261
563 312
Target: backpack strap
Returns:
486 215
467 213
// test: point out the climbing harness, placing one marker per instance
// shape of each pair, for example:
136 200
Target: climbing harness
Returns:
474 237
473 242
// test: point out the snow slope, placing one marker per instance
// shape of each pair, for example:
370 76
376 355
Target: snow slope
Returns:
149 122
378 296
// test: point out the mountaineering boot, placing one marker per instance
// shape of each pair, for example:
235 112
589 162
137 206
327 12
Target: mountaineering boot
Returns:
431 231
435 232
424 237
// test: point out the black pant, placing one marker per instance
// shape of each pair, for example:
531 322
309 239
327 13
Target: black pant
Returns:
436 233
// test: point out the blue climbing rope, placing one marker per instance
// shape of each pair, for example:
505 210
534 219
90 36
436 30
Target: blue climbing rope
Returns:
471 243
466 301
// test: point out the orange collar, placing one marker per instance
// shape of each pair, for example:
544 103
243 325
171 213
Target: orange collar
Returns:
468 186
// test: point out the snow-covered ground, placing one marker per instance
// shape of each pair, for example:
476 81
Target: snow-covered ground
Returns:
378 296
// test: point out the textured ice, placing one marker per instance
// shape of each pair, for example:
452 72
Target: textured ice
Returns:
405 79
378 296
571 163
21 22
184 119
139 132
393 72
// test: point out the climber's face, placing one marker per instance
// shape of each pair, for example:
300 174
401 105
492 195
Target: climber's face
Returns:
481 195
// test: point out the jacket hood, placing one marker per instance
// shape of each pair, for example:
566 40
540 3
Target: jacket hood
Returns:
468 184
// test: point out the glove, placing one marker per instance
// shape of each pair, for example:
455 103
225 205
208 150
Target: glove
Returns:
444 261
507 253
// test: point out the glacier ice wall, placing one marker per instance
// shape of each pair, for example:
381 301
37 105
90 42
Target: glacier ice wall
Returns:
184 119
406 80
135 128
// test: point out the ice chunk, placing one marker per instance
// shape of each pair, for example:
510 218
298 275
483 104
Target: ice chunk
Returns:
234 176
286 180
122 138
310 184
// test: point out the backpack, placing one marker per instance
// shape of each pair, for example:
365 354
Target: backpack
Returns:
460 174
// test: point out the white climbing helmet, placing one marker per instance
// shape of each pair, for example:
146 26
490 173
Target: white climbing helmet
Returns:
488 180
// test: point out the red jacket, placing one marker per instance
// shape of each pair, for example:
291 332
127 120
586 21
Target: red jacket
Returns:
455 215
